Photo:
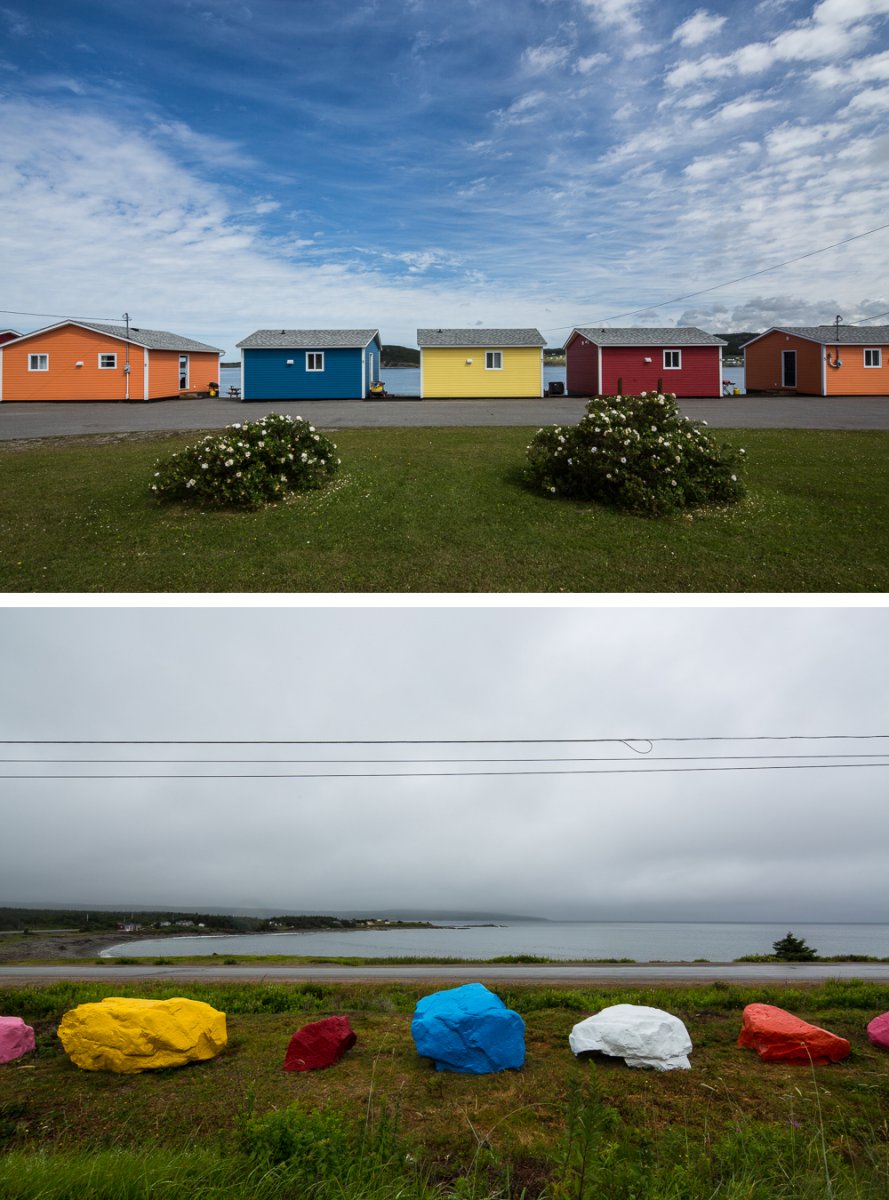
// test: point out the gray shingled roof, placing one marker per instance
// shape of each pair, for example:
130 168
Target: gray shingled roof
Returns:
479 338
671 335
309 339
849 335
154 339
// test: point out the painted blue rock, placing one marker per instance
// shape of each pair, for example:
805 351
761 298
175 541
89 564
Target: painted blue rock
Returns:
470 1030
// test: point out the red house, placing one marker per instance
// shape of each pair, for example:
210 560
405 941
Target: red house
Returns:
610 362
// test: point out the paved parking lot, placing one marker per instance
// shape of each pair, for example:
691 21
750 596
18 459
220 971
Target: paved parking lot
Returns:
33 420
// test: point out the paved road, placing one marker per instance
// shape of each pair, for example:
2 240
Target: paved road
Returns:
750 412
550 974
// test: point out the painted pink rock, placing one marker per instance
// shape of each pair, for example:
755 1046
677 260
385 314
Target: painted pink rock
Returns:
878 1031
16 1038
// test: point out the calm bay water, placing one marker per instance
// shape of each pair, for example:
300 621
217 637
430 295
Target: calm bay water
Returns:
405 381
645 942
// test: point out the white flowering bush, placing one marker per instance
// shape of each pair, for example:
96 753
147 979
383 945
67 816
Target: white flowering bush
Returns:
248 465
637 453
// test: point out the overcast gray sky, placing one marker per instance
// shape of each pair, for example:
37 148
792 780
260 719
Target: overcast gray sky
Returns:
748 845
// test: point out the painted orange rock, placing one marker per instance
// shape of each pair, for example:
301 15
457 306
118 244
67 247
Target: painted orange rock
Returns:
779 1036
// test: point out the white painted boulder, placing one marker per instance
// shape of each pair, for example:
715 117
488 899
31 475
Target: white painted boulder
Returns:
16 1038
641 1036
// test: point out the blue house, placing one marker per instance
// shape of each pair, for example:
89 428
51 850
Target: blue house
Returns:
309 364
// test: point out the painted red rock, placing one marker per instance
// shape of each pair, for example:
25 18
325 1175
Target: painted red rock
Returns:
779 1036
16 1038
320 1044
878 1030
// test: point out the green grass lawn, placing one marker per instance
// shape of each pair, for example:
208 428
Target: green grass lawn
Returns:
560 1128
442 510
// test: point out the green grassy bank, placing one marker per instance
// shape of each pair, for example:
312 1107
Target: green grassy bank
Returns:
384 1124
442 510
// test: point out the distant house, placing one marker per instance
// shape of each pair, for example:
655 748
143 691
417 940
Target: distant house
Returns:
309 364
819 360
608 362
80 360
480 362
6 335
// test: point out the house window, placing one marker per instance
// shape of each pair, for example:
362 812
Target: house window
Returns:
107 362
873 358
38 362
315 360
493 360
672 360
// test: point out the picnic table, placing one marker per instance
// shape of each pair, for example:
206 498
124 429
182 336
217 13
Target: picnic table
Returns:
234 392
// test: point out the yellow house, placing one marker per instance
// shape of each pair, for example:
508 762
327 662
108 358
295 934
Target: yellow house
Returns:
480 362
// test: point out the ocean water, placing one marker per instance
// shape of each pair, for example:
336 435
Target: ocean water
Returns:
405 381
642 941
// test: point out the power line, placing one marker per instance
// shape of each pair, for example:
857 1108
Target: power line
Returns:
630 770
717 286
414 761
58 316
538 741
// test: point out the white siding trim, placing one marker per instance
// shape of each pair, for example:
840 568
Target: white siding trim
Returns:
823 370
145 373
421 372
719 377
600 390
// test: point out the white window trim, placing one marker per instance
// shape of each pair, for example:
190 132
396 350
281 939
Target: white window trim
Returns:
38 356
314 354
670 366
105 366
877 351
489 354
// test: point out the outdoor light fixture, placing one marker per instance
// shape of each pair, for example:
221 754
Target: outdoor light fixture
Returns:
290 362
646 360
469 362
78 364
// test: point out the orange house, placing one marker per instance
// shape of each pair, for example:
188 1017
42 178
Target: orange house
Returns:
80 360
819 360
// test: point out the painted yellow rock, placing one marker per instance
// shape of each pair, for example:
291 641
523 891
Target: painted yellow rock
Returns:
127 1036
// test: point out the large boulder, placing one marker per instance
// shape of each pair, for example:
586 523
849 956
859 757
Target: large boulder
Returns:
127 1036
16 1038
319 1044
470 1030
641 1036
878 1030
779 1036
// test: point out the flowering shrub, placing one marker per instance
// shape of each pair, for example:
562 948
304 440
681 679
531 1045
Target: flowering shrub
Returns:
638 453
249 464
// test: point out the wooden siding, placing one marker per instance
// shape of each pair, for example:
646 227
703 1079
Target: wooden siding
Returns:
853 378
64 380
624 369
582 367
445 372
266 375
762 364
163 372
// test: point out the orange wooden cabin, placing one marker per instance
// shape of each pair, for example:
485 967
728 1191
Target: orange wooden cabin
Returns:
819 360
80 360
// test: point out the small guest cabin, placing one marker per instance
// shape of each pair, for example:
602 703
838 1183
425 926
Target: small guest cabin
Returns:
819 360
611 362
309 364
80 360
480 362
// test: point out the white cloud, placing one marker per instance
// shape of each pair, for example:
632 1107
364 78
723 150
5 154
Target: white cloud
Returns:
547 57
622 15
700 27
584 65
836 30
870 100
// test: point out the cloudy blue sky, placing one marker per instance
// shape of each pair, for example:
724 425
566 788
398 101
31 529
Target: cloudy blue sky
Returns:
214 166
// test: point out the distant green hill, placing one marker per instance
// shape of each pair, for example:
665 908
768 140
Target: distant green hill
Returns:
399 356
735 342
